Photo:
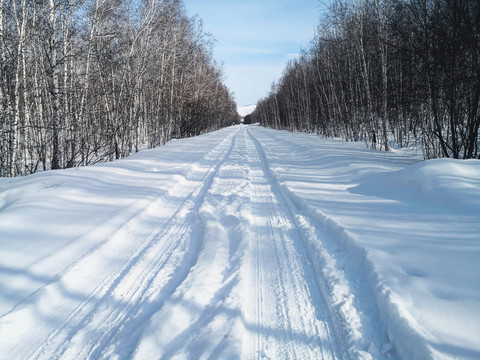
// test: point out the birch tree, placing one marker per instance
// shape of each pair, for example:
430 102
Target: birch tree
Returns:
389 70
84 81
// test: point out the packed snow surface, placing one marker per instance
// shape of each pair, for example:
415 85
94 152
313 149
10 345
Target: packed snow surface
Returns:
243 243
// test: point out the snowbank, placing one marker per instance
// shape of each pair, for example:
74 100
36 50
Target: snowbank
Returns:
451 185
441 272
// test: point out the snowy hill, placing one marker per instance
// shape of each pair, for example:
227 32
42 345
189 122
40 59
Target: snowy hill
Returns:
245 110
243 243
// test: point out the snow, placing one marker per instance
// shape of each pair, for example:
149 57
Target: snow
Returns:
246 110
243 243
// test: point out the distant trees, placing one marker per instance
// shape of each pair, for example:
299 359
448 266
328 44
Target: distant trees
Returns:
83 81
407 71
247 120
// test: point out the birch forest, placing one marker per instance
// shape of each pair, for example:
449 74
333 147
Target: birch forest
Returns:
403 72
84 81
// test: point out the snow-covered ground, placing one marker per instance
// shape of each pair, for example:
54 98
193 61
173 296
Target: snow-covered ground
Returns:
243 243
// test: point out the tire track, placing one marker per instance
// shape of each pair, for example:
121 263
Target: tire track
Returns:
203 300
353 308
249 243
138 285
291 319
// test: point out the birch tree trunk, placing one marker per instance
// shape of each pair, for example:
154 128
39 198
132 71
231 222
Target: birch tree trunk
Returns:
383 47
6 112
52 81
16 141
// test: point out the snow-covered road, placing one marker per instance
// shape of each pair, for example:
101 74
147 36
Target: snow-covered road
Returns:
248 293
210 247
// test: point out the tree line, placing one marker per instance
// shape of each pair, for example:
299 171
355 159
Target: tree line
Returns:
84 81
384 71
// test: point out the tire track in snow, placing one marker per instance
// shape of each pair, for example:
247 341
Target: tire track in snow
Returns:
201 316
129 221
156 291
249 243
288 317
341 271
140 284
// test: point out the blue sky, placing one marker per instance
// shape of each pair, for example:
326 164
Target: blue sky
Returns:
255 39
